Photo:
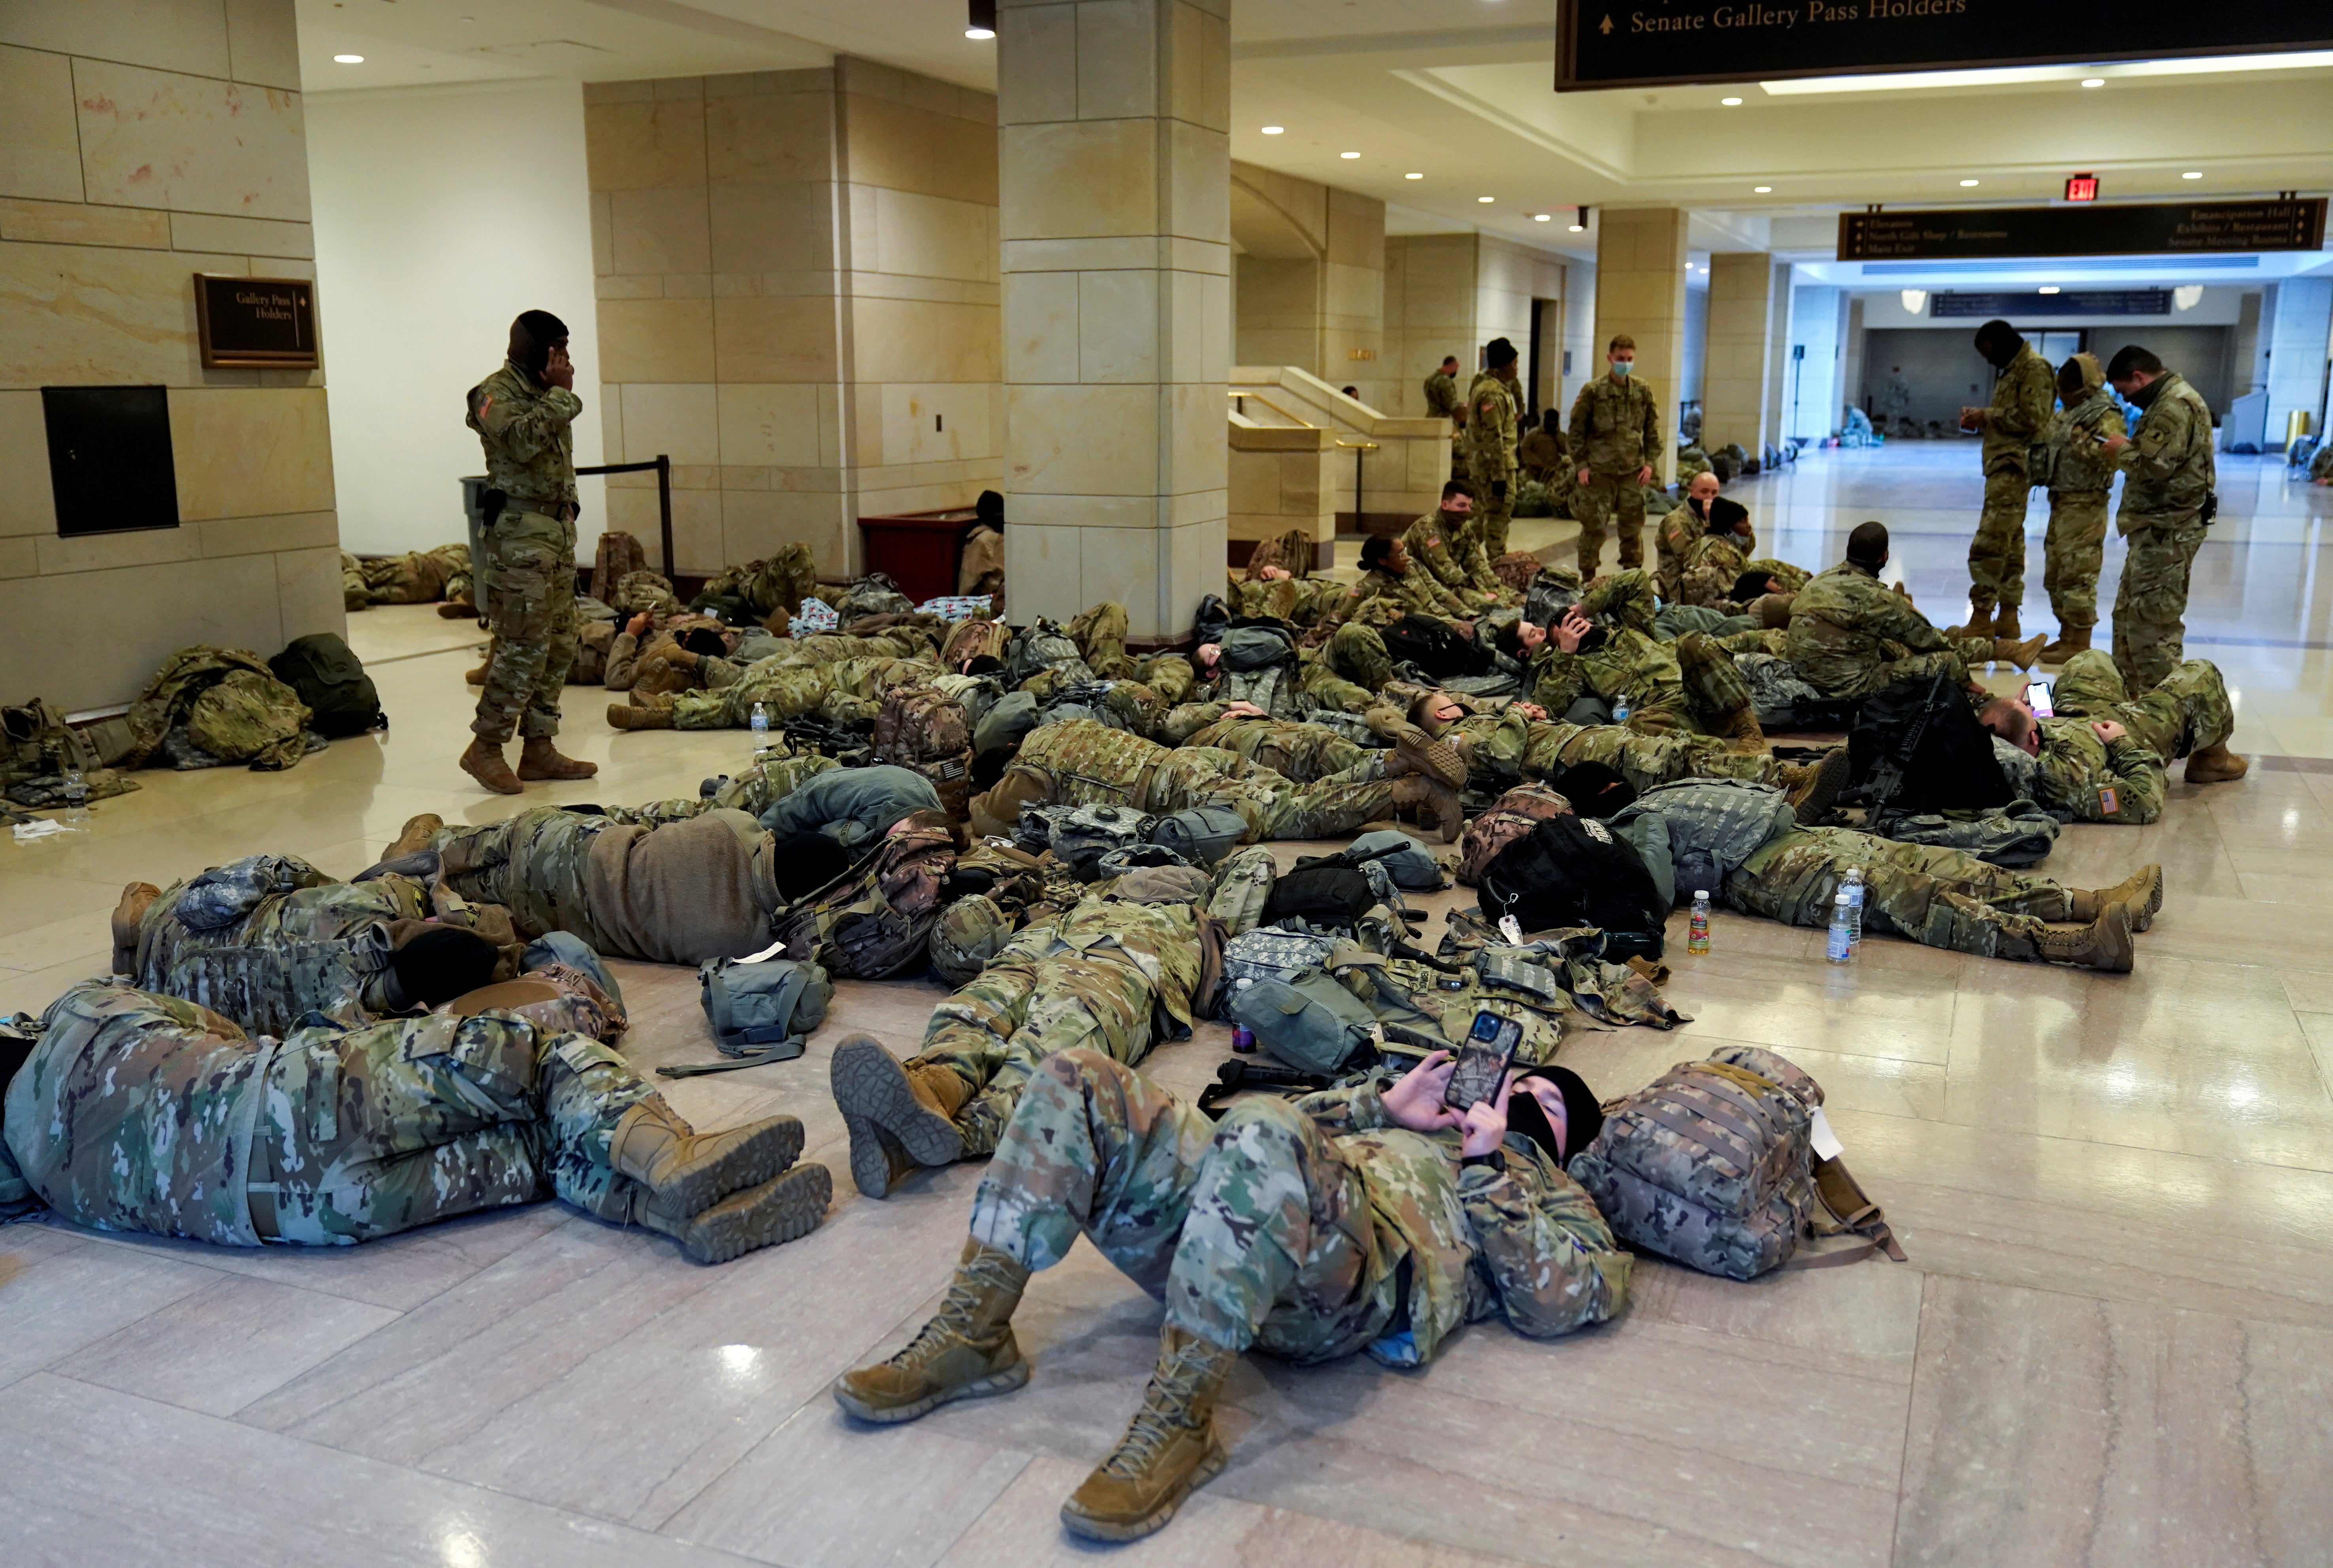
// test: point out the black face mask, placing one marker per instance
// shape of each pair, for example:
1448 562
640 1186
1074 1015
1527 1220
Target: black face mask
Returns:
531 337
1699 510
2144 399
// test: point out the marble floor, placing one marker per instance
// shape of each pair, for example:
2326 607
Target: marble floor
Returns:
2113 1343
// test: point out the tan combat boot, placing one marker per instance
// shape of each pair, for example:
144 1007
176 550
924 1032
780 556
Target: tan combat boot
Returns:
129 915
1415 751
2104 944
1743 729
1169 1449
454 610
2140 894
899 1116
779 1210
686 1169
2216 764
2004 624
2072 640
1432 799
1979 621
483 762
624 716
2007 651
478 676
415 836
966 1353
1816 790
539 759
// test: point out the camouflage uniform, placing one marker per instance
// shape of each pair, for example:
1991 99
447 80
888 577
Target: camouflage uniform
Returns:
2168 471
1106 974
1309 1229
1351 668
354 594
779 583
1441 396
1691 681
1301 752
1504 749
1851 635
2075 543
1416 591
1491 459
1541 455
1080 761
1671 538
1711 565
1616 431
2187 711
148 1114
1298 601
1101 636
419 576
1939 898
2022 397
1449 546
527 432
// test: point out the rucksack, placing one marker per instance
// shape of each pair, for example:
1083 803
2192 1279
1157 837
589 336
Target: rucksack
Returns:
1043 645
1079 836
1434 647
331 681
617 557
1322 894
762 1010
1256 647
1713 1166
979 638
1550 593
1408 864
1511 816
924 730
2016 835
1200 834
1308 1021
1916 747
1267 952
874 919
1571 871
1242 887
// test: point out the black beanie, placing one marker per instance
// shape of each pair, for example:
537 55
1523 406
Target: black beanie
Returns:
805 862
531 337
1498 353
1998 342
1724 513
1583 1113
1595 790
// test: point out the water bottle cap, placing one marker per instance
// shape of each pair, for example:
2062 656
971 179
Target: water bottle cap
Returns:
1701 892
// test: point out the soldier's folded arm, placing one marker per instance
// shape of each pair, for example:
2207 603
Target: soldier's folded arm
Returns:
1548 1252
529 430
2141 778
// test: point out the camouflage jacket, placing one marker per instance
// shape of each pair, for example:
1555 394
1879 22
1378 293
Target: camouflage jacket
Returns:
527 431
1490 432
1541 453
2168 467
1844 622
1090 762
1711 565
1449 546
1415 592
1524 1242
1615 426
2022 397
1713 825
1160 941
2082 775
2082 469
1441 396
417 576
780 583
1626 662
231 704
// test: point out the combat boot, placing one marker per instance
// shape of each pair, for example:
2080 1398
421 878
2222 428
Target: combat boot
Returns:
898 1116
1170 1448
1743 729
2216 764
2104 944
1816 788
1417 752
2004 624
686 1169
966 1351
415 836
1979 621
454 610
2072 640
2022 654
483 762
779 1210
624 716
2140 894
539 759
1432 798
478 676
129 916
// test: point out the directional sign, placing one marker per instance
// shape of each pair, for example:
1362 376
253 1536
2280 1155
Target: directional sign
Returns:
2135 228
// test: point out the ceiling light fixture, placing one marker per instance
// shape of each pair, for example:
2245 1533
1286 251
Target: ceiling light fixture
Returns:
2094 81
1761 191
1541 217
1348 155
2186 296
1273 129
1486 198
2193 174
1413 177
1914 301
1966 183
2049 288
347 59
1731 102
980 19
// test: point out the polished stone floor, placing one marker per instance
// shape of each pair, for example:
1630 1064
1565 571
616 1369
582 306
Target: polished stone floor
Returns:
2113 1343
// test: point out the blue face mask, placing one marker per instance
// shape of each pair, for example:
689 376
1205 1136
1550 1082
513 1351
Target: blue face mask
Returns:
1622 367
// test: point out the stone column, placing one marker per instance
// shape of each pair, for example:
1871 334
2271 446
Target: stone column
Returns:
1115 189
1640 259
1779 306
1733 375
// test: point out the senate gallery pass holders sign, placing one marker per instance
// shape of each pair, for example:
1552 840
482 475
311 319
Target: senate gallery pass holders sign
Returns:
256 323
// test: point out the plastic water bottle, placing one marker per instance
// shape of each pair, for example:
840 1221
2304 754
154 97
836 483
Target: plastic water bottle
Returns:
76 794
1697 929
1620 710
1852 889
1841 947
1243 1039
761 728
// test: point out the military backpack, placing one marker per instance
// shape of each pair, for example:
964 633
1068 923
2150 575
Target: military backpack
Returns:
925 730
1200 834
761 1009
1511 816
1308 1021
1043 645
875 920
1242 887
1079 836
331 681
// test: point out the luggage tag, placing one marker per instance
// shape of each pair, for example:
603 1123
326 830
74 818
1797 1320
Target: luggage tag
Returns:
1512 929
1824 1141
2109 801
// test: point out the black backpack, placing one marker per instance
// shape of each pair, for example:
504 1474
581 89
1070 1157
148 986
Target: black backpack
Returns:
1918 747
1320 895
1434 647
331 681
1572 871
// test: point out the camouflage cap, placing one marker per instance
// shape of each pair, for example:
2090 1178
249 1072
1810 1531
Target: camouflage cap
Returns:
969 933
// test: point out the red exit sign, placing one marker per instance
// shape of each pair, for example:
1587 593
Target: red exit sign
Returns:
2082 187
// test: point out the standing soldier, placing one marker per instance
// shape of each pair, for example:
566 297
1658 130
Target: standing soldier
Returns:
1443 401
524 415
2024 393
2166 504
1616 439
2080 474
1491 443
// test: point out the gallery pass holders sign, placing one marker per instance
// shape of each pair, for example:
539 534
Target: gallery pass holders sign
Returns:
2131 229
256 323
1672 43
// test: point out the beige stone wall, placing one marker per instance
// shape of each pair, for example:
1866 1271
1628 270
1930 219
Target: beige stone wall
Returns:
1310 283
1640 256
798 303
1282 478
140 145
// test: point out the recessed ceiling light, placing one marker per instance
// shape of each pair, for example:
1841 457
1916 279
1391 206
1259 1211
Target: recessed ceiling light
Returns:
1762 190
983 33
1273 129
2095 82
1966 183
1731 102
1413 177
2193 174
1486 198
1579 229
347 59
1541 217
2049 288
1348 155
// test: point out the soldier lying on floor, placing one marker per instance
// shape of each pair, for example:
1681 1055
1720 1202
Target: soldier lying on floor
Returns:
2103 758
1349 1220
127 1111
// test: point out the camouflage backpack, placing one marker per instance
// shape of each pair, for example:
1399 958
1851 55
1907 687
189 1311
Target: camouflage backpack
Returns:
1043 645
1242 887
1270 953
979 638
1714 1166
1510 817
925 730
1079 836
875 920
617 557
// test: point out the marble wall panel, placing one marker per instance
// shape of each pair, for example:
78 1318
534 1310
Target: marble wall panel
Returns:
40 134
769 138
681 419
925 341
659 229
263 40
190 35
73 223
771 424
252 236
786 338
1076 181
1076 441
632 145
773 227
657 339
27 504
903 147
188 143
249 451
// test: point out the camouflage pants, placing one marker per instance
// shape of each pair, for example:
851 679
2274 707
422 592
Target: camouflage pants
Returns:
1301 752
1348 671
2186 711
531 602
1713 687
1965 653
1996 557
533 864
1253 1230
1613 502
785 693
1938 898
2150 628
2072 551
1189 775
1034 1000
1644 760
1101 636
1494 510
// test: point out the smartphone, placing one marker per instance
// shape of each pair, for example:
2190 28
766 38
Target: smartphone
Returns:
2041 700
1482 1059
